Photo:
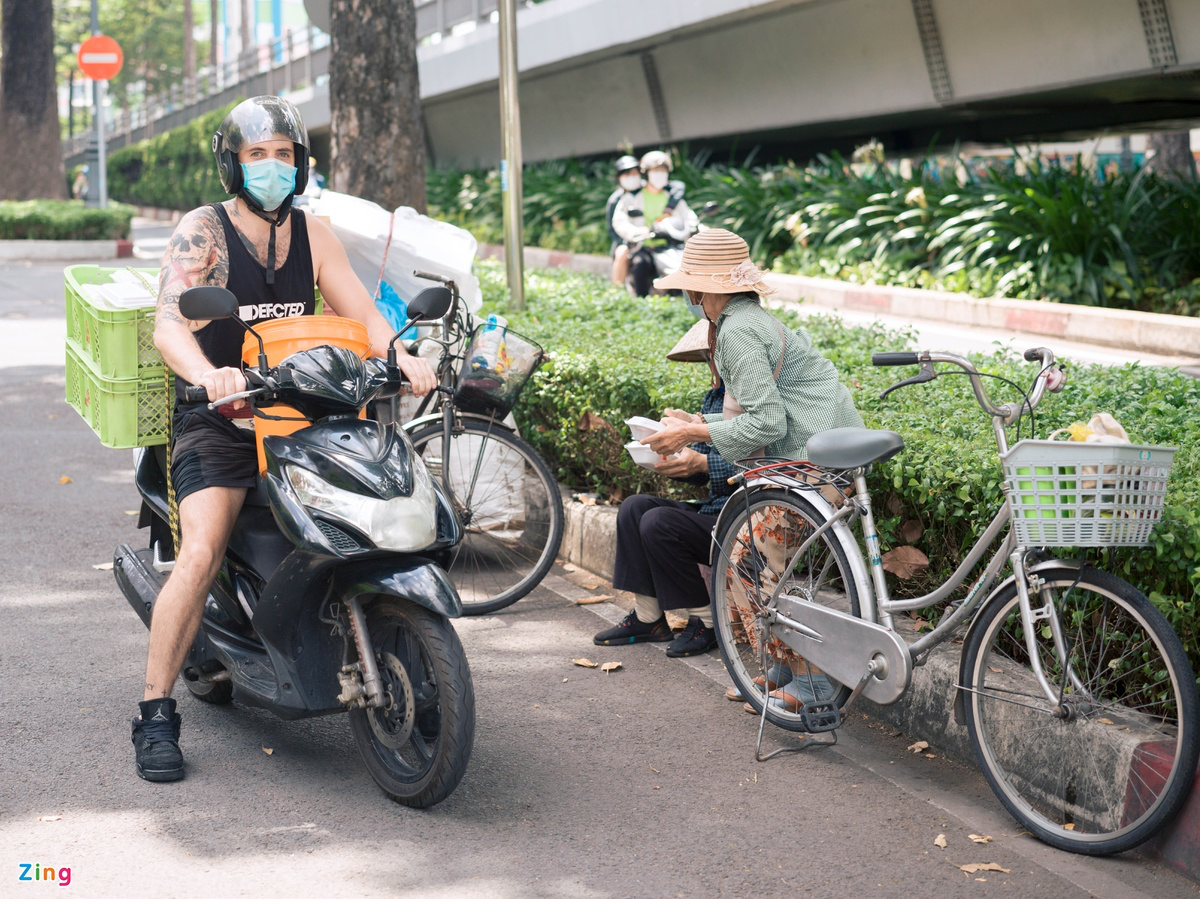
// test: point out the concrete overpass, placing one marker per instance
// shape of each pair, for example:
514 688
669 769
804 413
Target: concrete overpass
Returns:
796 76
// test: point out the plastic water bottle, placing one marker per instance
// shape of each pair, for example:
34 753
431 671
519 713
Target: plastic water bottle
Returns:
491 353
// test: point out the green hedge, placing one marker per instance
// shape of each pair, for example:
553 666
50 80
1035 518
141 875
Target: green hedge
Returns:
606 363
63 220
174 170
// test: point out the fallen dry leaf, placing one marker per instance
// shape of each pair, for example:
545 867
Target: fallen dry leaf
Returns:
1069 826
591 600
610 666
976 838
131 511
103 566
911 531
905 562
49 818
268 750
585 663
995 670
919 746
940 841
590 585
930 755
593 422
64 480
990 866
588 499
567 566
1106 721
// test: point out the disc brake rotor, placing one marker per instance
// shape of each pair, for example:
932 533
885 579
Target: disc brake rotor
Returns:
393 723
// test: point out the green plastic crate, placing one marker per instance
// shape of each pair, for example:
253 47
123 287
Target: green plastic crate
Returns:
119 344
124 413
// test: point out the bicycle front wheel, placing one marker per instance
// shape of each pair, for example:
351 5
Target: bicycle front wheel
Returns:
747 570
1114 770
508 504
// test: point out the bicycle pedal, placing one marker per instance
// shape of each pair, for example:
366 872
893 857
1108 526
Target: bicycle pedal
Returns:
819 717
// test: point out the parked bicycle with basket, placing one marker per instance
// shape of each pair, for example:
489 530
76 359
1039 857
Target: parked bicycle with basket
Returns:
506 496
1077 694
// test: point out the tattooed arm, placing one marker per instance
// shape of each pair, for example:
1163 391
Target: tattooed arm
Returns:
196 255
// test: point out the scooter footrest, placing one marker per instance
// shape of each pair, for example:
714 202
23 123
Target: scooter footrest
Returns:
819 717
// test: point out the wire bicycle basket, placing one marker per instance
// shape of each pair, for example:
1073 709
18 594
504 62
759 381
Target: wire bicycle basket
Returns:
496 366
1071 493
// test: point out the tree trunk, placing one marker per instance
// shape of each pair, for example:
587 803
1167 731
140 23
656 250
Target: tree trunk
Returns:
30 141
377 134
1172 154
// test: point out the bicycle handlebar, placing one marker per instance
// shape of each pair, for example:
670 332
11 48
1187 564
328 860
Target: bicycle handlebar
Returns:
1048 378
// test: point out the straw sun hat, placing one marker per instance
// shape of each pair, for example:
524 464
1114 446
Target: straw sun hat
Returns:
716 261
692 346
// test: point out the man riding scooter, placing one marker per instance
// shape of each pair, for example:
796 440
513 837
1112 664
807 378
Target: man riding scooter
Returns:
270 256
654 221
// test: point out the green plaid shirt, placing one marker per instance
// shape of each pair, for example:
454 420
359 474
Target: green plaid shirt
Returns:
780 415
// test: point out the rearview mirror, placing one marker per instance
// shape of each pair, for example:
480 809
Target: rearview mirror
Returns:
430 303
207 303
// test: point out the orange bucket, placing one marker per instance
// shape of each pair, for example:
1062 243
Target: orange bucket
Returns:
284 336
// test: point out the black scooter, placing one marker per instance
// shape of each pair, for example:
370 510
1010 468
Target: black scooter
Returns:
331 597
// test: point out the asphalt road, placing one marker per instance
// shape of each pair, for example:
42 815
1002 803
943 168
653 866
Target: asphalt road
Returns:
638 783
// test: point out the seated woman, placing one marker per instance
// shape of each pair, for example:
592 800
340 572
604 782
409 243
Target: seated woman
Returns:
779 391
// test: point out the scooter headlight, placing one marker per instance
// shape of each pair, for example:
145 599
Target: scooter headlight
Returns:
400 524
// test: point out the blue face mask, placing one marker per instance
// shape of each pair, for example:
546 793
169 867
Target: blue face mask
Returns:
270 182
697 309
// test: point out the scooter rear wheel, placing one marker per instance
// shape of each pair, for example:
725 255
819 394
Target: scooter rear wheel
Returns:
417 746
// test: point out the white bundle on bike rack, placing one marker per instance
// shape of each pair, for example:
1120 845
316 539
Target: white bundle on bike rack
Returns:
417 243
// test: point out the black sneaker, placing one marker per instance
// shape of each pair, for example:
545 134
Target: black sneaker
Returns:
633 630
695 638
156 741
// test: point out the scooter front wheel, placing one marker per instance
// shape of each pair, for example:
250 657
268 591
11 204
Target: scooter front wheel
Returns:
416 746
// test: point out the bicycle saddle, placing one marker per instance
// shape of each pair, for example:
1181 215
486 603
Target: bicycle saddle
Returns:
845 448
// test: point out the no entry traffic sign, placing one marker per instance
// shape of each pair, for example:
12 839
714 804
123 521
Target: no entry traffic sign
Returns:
100 57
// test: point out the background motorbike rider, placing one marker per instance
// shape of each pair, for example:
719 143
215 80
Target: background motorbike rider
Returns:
270 256
655 221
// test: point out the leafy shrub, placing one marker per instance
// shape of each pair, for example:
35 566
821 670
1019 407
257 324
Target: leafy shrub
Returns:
63 220
607 363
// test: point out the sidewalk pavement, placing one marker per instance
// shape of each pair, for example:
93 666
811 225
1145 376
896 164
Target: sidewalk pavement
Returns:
926 712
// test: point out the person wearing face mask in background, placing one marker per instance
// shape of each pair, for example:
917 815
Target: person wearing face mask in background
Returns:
629 181
655 222
271 256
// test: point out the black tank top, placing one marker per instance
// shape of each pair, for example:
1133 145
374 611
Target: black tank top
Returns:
291 294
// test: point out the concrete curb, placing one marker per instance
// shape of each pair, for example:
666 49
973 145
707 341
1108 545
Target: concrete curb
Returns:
925 713
1146 332
64 250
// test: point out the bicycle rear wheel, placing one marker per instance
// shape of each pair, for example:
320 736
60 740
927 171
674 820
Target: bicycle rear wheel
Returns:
754 655
1119 766
509 505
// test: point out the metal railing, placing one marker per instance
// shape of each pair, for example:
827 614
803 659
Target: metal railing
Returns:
291 62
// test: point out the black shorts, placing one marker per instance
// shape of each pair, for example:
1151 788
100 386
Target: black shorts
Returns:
209 450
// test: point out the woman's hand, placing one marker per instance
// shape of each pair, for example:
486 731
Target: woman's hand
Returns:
685 464
682 415
675 435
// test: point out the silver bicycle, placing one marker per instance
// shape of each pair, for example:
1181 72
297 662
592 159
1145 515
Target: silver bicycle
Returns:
1077 694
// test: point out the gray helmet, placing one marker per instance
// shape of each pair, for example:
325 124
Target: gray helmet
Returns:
656 159
627 164
254 121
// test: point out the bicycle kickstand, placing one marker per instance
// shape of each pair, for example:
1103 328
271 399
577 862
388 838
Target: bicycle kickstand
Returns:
820 716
